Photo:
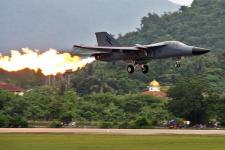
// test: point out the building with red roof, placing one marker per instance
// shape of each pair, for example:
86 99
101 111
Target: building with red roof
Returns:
12 88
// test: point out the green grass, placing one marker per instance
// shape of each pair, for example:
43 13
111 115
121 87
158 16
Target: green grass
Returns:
108 142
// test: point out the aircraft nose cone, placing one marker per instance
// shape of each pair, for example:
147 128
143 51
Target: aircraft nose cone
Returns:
199 51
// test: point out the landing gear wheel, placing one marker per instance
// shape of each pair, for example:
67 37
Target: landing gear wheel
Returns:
145 69
130 69
178 64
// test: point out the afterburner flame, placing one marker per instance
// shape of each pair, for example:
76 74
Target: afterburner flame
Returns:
50 62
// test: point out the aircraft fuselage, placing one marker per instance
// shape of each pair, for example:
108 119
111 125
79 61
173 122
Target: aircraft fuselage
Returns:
172 49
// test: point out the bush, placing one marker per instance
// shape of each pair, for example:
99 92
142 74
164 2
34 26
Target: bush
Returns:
140 123
18 122
56 124
3 121
67 117
106 125
124 125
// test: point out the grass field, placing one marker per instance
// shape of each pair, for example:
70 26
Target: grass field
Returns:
108 142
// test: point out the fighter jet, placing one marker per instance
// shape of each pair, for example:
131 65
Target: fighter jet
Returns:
110 50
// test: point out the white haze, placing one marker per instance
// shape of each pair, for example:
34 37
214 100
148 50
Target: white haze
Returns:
183 2
44 24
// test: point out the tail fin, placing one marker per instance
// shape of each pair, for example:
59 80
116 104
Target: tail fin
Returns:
104 39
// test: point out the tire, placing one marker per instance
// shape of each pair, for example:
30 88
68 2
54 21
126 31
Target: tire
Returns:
178 65
145 69
130 69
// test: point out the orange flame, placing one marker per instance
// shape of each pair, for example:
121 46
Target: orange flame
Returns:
50 62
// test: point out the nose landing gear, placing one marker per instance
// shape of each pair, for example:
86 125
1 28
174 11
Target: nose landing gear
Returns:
178 64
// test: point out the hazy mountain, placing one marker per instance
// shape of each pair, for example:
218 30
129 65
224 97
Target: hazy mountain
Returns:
59 24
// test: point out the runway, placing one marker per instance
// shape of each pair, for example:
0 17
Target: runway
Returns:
113 131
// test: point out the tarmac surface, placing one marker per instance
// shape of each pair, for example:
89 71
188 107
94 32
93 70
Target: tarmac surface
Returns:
113 131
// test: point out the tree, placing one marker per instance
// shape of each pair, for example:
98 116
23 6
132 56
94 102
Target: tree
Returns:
44 103
140 123
220 109
3 121
13 111
189 100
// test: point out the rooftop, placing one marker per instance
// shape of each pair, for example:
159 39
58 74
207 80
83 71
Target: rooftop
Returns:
10 87
154 83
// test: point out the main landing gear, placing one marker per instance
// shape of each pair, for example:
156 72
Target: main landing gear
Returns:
144 68
130 69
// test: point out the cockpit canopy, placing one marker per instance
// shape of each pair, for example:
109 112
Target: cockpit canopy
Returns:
175 43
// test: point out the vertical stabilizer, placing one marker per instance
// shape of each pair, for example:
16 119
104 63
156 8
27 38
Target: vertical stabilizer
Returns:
104 39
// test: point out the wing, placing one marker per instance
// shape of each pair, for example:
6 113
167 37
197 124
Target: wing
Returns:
109 49
106 48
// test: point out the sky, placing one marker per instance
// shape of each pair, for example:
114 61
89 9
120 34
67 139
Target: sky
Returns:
43 24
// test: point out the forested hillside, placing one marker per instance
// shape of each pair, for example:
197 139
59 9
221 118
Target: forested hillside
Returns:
98 95
201 25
